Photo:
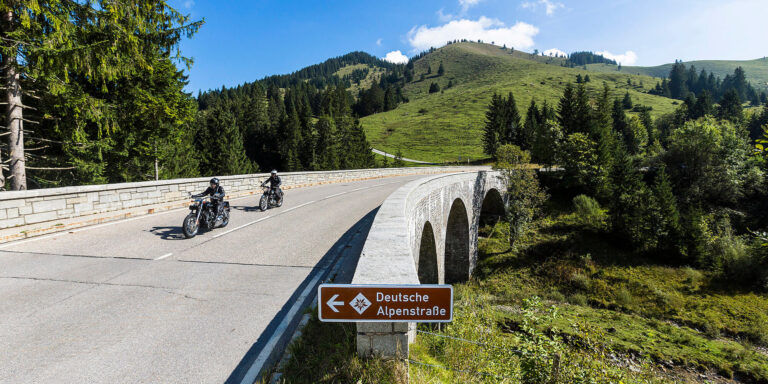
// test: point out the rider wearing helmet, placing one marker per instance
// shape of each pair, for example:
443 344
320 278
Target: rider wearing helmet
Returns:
274 183
217 195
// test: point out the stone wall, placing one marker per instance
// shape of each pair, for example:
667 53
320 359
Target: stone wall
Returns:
35 212
453 206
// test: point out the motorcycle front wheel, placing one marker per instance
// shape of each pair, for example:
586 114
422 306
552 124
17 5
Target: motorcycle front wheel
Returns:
263 203
190 226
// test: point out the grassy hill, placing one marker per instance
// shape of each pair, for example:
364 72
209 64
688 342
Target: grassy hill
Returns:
447 125
757 70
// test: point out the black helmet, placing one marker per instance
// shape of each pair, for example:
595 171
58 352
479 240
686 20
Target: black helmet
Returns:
215 180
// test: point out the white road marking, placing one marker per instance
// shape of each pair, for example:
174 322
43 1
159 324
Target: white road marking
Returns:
258 364
164 256
241 227
299 206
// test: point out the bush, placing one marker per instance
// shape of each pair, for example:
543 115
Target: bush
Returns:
742 263
588 213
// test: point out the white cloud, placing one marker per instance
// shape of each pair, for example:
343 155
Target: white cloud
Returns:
549 6
466 4
444 17
189 4
519 36
627 58
554 52
378 42
396 57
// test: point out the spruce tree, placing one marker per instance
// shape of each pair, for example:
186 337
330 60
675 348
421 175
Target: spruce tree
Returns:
567 110
627 101
512 122
441 69
493 126
532 118
434 88
730 107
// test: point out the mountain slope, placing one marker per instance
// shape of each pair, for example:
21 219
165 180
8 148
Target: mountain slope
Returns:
447 125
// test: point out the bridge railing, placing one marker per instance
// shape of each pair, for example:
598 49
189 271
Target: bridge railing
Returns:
40 211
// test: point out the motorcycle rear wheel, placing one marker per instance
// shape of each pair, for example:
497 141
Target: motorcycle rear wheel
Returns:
224 218
190 226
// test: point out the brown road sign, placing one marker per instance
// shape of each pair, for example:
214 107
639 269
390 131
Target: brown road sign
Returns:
385 303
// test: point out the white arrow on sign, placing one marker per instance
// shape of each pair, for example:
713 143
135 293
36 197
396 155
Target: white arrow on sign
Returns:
331 303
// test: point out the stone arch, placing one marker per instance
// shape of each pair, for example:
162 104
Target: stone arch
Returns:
492 209
427 267
457 257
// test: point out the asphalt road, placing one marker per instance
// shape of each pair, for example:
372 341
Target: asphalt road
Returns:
134 302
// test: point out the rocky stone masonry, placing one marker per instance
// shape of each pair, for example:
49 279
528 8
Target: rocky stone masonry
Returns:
35 212
453 205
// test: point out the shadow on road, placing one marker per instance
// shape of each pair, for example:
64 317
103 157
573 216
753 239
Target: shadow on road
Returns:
168 233
246 208
323 267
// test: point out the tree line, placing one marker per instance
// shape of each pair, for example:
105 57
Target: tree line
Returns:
684 188
684 83
95 94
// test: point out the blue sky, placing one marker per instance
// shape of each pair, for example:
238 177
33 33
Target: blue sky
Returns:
245 40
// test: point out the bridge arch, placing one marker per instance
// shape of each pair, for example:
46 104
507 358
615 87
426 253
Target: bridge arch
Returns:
457 244
493 208
427 264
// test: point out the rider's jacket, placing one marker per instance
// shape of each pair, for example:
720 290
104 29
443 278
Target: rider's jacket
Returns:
216 193
274 181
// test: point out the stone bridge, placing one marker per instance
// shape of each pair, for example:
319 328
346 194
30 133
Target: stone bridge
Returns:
425 233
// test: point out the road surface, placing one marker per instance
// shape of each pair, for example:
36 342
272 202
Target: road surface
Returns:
134 302
391 156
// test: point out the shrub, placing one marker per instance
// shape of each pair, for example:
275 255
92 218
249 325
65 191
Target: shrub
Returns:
624 298
578 299
581 281
588 212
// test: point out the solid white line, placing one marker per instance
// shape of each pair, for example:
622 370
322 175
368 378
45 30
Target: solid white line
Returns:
18 242
164 256
258 364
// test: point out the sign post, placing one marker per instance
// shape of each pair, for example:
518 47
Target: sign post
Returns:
385 303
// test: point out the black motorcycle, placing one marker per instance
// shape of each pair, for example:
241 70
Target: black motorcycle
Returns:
270 199
203 215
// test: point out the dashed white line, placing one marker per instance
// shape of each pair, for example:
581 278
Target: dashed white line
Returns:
164 256
241 227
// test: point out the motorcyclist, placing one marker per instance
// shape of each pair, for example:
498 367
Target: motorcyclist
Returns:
274 183
217 195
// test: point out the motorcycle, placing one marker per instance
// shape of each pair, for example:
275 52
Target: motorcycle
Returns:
202 215
270 199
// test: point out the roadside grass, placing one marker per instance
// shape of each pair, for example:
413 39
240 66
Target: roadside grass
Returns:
446 125
325 353
673 315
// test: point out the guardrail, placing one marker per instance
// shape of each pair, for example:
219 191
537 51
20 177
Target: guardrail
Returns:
35 212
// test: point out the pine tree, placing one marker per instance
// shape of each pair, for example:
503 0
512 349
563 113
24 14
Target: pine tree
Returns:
578 79
619 117
587 79
730 107
59 46
441 69
493 126
567 110
627 101
665 218
703 106
429 69
532 118
434 88
512 128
